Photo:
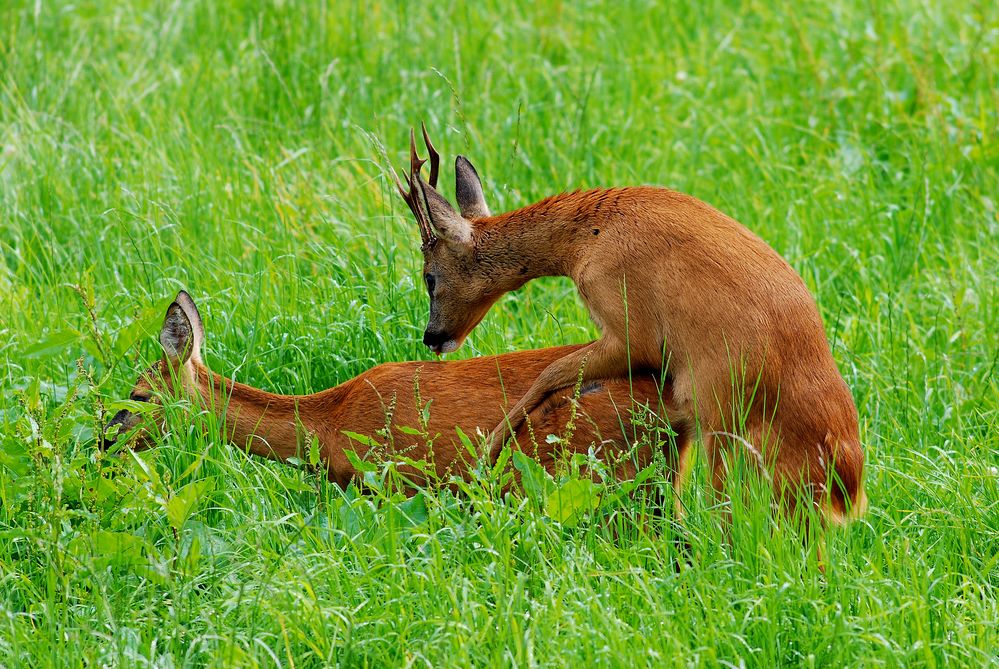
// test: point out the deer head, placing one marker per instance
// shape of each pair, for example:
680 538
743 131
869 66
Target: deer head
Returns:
461 287
181 337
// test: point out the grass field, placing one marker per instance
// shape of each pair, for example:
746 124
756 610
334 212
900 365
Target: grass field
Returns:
239 150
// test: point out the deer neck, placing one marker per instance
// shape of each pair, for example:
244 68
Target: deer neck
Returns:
269 425
548 238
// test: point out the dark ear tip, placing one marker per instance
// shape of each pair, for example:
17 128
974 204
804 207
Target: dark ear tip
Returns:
184 293
463 163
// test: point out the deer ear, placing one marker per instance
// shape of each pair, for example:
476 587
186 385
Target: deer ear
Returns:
177 335
468 190
194 318
446 221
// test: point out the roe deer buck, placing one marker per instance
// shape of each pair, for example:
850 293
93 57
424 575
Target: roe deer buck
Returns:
466 394
668 280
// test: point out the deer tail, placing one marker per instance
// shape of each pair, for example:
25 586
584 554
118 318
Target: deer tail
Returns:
847 499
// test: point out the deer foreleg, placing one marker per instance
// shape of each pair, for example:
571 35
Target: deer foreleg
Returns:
602 359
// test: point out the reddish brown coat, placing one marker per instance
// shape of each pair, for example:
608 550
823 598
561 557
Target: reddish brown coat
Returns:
467 394
669 280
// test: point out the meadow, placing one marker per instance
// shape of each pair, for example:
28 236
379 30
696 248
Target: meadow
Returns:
240 150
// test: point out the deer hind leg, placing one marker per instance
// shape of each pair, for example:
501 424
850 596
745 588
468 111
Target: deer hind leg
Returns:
726 449
718 467
604 358
682 449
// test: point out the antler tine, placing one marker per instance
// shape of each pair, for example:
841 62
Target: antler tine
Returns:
415 164
398 184
435 158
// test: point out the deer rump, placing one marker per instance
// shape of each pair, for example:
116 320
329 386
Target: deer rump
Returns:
424 404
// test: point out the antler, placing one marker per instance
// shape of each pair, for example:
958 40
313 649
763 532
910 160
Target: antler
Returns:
435 158
412 196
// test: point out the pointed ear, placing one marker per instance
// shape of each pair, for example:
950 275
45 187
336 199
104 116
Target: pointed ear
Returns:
177 336
445 220
468 190
194 318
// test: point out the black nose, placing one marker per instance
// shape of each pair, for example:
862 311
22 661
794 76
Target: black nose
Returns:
434 339
119 420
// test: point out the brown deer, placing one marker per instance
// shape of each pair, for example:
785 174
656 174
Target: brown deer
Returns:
670 281
466 394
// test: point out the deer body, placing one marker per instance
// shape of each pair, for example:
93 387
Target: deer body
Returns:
698 292
467 394
274 426
670 281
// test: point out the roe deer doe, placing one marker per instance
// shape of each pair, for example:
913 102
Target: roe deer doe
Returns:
465 394
668 280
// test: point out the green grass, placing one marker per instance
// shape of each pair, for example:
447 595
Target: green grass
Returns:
236 149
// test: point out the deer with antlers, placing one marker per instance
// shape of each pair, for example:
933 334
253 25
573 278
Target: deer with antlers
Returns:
671 282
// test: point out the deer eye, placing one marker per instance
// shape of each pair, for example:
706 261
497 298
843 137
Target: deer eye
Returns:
431 282
139 398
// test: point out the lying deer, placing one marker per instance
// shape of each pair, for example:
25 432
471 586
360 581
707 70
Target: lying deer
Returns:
671 281
466 394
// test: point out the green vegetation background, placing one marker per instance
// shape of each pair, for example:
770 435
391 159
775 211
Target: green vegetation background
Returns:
238 150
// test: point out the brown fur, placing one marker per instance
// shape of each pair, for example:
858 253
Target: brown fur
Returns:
469 394
736 326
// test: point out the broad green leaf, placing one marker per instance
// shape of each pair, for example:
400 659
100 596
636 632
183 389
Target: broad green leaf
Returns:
145 467
628 487
502 460
357 463
360 438
112 548
421 465
314 451
56 341
81 434
15 457
124 548
350 516
185 502
192 557
408 430
572 501
102 492
414 510
132 406
466 442
533 477
91 347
